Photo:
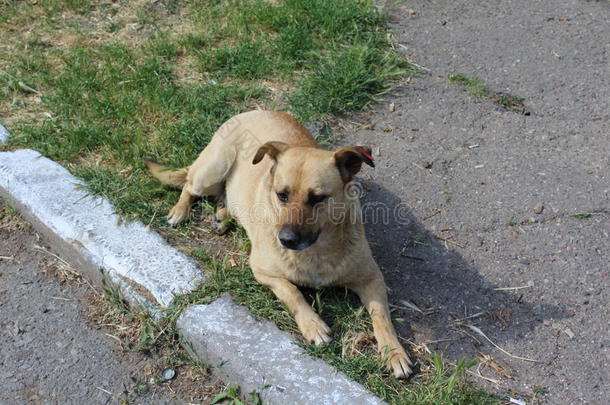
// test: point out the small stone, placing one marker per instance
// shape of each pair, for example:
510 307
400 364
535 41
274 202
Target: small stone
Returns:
524 262
168 374
516 401
538 209
3 134
424 164
410 11
537 308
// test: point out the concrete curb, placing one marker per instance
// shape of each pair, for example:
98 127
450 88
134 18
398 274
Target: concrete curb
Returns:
257 356
150 273
88 233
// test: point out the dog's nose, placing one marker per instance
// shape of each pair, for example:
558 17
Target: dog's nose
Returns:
289 238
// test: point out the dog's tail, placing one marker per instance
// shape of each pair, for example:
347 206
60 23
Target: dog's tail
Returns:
165 175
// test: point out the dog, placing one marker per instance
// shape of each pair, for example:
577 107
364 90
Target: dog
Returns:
294 201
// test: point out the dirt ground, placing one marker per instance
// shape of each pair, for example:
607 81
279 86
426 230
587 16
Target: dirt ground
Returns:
483 199
51 351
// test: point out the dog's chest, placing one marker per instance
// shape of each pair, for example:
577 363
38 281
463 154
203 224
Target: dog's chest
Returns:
313 272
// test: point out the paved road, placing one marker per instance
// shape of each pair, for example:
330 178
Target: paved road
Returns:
491 194
48 352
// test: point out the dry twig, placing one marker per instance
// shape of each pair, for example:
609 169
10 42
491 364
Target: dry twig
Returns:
480 332
450 241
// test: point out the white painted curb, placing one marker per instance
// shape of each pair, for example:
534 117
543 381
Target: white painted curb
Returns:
259 357
85 228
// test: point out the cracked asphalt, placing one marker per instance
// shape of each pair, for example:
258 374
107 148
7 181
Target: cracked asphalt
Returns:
508 214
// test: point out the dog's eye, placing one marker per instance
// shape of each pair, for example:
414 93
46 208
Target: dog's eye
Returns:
282 196
313 199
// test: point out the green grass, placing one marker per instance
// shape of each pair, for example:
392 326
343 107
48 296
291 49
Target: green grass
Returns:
582 215
479 90
107 105
117 84
231 396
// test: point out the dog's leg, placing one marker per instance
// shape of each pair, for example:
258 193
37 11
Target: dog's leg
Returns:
375 298
205 178
310 324
222 216
182 209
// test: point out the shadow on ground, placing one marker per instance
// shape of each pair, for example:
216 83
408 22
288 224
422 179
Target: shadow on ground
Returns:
426 271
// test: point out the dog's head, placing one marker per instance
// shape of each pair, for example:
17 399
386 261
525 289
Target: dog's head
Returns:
308 188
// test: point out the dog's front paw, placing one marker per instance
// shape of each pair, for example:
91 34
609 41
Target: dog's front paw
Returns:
398 362
176 216
314 330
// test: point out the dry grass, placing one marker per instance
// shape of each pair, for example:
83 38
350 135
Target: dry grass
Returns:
134 330
10 220
61 270
131 330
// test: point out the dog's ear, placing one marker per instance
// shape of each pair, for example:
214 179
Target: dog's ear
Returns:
349 160
273 149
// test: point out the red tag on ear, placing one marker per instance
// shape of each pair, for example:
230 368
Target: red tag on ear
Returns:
364 153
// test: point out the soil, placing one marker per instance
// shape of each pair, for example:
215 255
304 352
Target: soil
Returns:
52 351
483 203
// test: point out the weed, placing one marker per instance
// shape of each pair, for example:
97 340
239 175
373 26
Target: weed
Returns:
540 390
474 87
231 394
479 90
347 83
10 219
582 215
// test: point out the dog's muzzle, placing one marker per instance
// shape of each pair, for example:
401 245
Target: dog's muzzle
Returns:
294 240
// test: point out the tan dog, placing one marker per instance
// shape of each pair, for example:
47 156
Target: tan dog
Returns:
304 225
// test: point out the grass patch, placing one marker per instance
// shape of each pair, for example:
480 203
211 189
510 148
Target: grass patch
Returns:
582 215
231 396
100 87
115 84
479 90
